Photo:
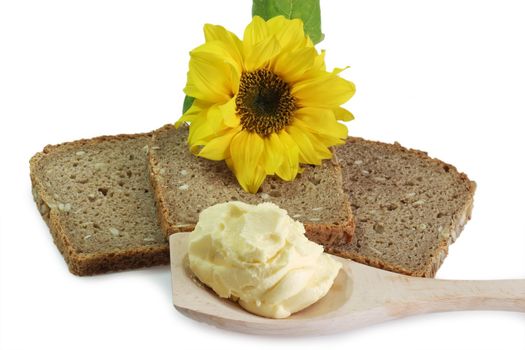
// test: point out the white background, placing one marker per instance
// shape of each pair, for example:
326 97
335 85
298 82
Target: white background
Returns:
443 76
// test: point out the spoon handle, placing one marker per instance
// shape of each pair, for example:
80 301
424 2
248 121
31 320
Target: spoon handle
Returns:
429 295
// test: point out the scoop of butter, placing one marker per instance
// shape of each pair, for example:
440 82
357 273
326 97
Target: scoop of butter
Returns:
260 257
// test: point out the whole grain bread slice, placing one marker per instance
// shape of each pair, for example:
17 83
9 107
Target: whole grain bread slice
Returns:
185 184
409 207
97 200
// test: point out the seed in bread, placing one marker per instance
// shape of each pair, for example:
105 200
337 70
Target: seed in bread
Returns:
96 198
409 207
185 185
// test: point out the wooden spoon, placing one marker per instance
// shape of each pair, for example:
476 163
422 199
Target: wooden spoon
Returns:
361 295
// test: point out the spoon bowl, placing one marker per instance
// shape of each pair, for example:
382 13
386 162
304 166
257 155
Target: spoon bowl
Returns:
360 296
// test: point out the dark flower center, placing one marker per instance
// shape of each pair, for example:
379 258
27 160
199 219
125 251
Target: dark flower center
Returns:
264 103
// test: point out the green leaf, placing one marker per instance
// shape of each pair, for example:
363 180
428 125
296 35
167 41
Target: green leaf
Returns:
309 11
188 101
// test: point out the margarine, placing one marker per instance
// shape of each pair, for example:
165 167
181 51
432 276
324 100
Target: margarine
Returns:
259 256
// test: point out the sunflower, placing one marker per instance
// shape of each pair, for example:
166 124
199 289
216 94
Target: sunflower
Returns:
264 104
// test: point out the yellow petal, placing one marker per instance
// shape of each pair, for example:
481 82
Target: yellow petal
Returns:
261 54
327 140
289 33
309 42
198 107
326 90
235 80
246 149
229 44
208 79
321 121
273 153
307 151
319 61
339 70
291 66
318 67
321 142
220 53
320 148
290 165
229 114
221 115
343 114
214 118
255 32
186 118
257 179
189 116
219 147
214 32
200 131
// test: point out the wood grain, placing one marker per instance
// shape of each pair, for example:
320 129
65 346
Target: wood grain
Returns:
361 295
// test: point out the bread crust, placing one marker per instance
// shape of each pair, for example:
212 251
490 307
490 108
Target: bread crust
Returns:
461 217
83 264
94 263
327 234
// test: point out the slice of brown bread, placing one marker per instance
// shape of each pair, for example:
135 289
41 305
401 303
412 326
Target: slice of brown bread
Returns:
409 207
185 184
97 200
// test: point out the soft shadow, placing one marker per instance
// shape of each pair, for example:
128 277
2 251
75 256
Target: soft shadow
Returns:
160 276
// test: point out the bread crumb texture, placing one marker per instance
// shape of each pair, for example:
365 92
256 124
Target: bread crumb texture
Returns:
185 185
409 207
96 197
